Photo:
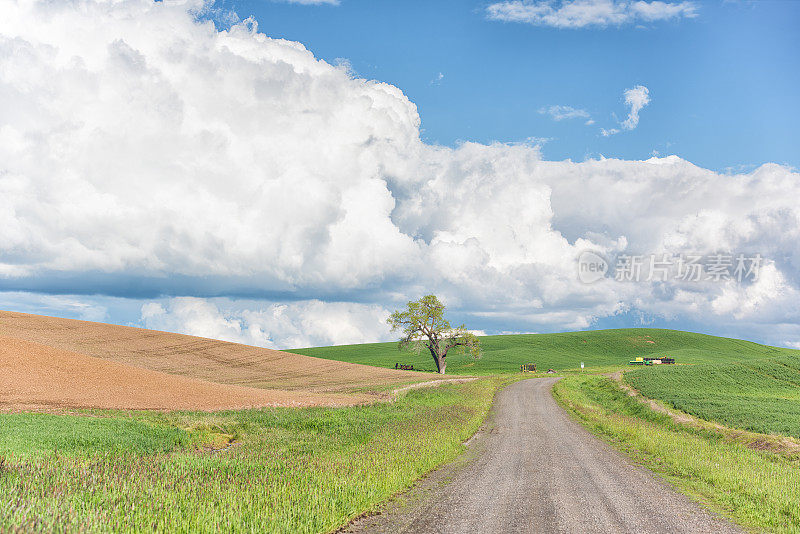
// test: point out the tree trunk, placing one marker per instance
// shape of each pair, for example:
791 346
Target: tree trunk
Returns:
438 360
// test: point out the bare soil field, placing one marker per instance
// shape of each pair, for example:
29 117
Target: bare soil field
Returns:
38 377
47 362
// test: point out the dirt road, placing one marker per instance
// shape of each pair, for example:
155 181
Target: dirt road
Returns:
536 470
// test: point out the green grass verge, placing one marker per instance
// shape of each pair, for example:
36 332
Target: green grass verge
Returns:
756 488
756 395
599 348
25 434
291 470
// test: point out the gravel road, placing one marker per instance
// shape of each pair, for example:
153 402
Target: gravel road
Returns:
535 470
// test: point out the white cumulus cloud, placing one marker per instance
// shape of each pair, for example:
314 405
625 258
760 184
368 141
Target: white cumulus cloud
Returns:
588 13
268 324
144 150
636 98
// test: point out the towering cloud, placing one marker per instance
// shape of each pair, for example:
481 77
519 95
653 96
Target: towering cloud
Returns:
144 150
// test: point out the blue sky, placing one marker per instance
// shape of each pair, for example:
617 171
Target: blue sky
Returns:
723 84
292 182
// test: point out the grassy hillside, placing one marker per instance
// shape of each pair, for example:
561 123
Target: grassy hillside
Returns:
290 470
757 395
503 354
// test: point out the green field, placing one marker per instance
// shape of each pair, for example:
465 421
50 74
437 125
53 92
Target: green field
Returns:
599 348
736 383
290 470
757 488
311 470
757 395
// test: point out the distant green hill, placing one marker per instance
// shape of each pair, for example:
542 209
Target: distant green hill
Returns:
598 348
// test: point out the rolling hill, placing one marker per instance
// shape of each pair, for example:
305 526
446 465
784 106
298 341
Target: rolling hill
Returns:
47 362
598 348
38 377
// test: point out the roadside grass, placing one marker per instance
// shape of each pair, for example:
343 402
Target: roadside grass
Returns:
24 434
598 348
289 470
756 488
756 395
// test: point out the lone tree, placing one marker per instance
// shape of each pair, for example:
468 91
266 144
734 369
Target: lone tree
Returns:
423 325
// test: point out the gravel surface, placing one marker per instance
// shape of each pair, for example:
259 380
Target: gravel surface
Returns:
533 469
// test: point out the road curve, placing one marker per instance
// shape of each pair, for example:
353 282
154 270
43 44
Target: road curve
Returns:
536 470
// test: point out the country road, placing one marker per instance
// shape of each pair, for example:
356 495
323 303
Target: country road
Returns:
536 470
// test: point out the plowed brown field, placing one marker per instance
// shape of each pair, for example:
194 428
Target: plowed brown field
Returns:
47 362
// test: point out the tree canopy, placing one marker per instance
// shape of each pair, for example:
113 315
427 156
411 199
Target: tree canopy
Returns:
423 325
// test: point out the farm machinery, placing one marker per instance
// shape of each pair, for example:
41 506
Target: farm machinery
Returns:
651 361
